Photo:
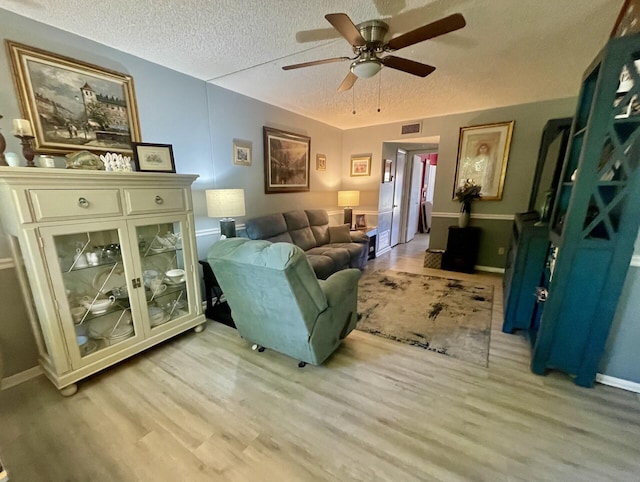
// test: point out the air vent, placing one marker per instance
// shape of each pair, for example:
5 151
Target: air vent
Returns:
412 128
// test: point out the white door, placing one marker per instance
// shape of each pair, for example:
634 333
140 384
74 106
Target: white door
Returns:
414 197
396 213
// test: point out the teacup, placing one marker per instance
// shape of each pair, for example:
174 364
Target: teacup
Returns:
149 275
175 275
157 286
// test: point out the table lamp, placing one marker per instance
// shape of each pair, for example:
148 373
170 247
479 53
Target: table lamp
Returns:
348 199
225 204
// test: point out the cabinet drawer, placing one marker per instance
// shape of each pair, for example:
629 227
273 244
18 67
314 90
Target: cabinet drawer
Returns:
52 204
144 201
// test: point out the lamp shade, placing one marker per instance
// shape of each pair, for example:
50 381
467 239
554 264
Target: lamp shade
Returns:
366 68
348 198
225 203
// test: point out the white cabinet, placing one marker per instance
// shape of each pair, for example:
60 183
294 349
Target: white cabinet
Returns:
107 259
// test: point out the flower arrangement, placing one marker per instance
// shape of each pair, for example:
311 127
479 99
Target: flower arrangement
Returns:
468 191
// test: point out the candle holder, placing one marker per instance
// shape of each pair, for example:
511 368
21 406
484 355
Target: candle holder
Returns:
3 146
27 149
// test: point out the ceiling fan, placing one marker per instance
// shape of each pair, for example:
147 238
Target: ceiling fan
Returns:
367 39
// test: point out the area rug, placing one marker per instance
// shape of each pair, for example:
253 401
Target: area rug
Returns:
443 315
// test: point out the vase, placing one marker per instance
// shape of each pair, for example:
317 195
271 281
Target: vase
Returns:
465 212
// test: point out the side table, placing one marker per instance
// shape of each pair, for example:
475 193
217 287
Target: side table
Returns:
462 249
372 232
218 311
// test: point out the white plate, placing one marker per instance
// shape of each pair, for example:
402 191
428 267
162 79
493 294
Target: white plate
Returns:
165 317
104 327
116 280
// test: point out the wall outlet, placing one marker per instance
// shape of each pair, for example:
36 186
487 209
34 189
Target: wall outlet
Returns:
500 250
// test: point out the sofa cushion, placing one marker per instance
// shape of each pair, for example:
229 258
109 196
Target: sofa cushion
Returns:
322 265
339 234
266 227
298 227
358 253
340 256
319 223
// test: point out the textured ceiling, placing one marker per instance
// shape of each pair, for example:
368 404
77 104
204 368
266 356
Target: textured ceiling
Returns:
510 52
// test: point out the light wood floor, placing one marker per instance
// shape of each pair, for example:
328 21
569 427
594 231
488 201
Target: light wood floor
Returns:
206 407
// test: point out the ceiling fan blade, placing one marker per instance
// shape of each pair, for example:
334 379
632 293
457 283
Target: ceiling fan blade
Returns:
435 29
408 66
348 82
315 62
343 24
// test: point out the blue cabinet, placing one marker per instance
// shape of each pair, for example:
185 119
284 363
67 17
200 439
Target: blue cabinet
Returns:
596 216
523 271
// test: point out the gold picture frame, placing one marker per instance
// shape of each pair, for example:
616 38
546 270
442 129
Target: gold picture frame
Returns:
483 153
360 165
73 105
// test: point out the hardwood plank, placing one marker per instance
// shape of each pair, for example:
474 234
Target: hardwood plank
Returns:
207 407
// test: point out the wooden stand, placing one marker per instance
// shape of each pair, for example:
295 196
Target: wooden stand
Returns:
27 150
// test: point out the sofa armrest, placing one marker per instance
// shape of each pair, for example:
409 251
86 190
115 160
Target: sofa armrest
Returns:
359 237
340 284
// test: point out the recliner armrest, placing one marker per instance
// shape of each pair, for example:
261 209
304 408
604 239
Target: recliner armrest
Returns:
338 284
359 237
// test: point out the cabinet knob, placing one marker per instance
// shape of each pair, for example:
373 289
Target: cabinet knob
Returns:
83 203
159 200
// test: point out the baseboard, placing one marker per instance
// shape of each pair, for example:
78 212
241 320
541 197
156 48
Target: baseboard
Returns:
6 263
490 269
383 250
618 383
19 378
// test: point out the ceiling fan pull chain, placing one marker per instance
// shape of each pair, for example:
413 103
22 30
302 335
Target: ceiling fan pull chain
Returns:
379 89
353 100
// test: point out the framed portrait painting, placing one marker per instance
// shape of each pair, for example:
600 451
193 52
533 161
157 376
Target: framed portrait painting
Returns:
286 161
361 165
153 157
483 152
73 105
321 162
241 152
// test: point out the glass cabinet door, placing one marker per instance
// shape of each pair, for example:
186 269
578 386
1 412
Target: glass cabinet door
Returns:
88 267
165 277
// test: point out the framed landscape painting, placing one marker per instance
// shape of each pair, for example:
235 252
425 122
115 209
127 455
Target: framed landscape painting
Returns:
286 161
483 152
73 105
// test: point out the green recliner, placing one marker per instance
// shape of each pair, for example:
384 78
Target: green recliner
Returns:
277 302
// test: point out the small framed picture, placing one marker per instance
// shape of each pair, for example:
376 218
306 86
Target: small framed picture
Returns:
361 222
153 157
361 165
241 152
321 162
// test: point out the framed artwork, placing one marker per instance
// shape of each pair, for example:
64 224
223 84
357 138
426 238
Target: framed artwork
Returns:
361 221
241 152
321 162
628 21
361 165
286 161
73 105
387 165
483 152
153 157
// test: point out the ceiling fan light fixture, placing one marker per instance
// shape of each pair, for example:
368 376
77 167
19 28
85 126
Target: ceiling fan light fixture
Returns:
366 68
